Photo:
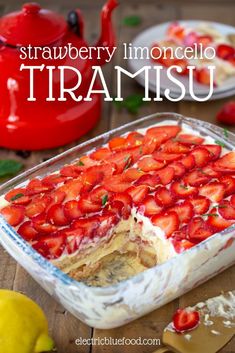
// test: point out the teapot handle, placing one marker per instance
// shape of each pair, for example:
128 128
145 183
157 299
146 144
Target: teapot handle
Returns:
76 23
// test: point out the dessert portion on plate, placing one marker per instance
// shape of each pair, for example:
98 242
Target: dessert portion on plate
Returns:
203 36
129 205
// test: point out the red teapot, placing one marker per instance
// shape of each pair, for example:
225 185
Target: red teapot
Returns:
42 123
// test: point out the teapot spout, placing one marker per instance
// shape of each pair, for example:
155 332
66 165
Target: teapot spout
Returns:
107 37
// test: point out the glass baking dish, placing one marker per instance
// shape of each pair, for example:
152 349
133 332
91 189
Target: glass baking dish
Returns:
113 306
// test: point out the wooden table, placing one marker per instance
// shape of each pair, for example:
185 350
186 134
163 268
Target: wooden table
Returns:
63 326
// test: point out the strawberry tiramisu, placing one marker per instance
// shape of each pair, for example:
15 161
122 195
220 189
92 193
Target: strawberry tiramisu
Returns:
129 205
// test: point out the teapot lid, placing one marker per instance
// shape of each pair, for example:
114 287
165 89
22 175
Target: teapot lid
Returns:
32 25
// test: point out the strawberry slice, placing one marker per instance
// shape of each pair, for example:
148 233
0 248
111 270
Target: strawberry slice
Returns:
99 195
174 147
38 205
72 210
116 184
86 205
201 155
205 40
226 163
57 196
13 214
226 210
138 193
184 211
149 180
225 51
72 171
164 197
209 170
56 215
27 231
182 245
101 154
106 222
90 178
229 183
151 143
73 239
188 162
185 320
35 186
71 188
198 230
149 206
148 164
132 174
179 169
41 225
121 159
214 191
51 246
124 197
134 139
117 143
200 204
216 222
166 175
196 178
168 222
166 157
88 224
17 197
227 114
164 131
53 179
232 200
187 139
214 150
182 191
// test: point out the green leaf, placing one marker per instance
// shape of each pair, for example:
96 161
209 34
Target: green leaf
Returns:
80 163
9 167
220 143
132 21
17 196
104 199
209 215
131 103
226 133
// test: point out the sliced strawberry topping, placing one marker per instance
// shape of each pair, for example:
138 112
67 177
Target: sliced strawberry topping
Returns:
227 113
209 170
72 210
168 223
226 210
121 159
202 156
27 231
216 222
41 225
134 139
150 144
196 178
232 200
179 169
56 215
166 157
88 224
53 179
72 171
35 186
17 197
106 222
99 195
188 139
101 154
132 174
38 205
184 211
150 207
214 150
148 164
138 193
90 178
57 196
166 131
214 191
164 197
174 147
229 183
182 245
188 162
226 163
86 205
149 180
13 214
117 143
51 246
198 230
200 204
225 51
73 239
71 188
166 175
181 190
124 197
185 320
116 184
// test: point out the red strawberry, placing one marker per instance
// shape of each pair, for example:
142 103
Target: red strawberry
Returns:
196 178
121 159
85 162
203 76
132 174
106 222
209 170
166 175
53 179
35 186
214 191
232 200
163 197
205 40
99 194
148 164
198 230
17 197
90 178
179 169
168 222
72 210
101 154
166 131
226 163
73 239
166 157
27 231
227 114
56 215
51 246
38 205
180 190
86 205
201 155
229 183
185 320
200 204
117 143
182 245
174 147
214 150
138 193
72 171
116 184
151 143
57 196
225 51
88 224
41 225
184 211
216 222
188 162
150 207
226 210
134 139
71 188
150 180
124 197
188 139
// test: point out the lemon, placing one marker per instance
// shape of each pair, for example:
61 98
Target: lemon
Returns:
23 325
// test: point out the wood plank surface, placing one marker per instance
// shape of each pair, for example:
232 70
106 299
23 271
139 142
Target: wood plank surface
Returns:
64 327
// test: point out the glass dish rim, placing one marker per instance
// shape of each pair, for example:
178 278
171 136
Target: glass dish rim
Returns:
50 267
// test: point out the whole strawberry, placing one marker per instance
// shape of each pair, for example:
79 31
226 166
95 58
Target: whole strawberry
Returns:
227 114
